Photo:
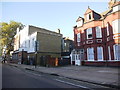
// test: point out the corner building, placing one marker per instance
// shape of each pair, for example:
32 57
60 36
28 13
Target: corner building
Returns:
97 37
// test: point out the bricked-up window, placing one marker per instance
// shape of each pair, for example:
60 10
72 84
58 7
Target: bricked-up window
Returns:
116 26
100 53
98 32
90 54
116 52
89 33
107 27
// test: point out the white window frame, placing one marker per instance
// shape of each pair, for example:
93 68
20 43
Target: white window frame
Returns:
98 32
116 54
89 54
33 42
79 23
107 28
116 26
78 37
109 52
29 43
89 15
89 31
99 53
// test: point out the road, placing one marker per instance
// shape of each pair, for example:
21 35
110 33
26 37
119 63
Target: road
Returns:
13 77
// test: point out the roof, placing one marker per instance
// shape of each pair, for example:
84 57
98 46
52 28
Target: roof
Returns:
117 3
88 10
79 18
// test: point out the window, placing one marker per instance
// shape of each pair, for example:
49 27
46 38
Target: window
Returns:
116 8
89 16
89 33
78 37
116 25
116 52
29 43
33 42
109 53
100 53
107 27
79 23
90 54
25 43
98 32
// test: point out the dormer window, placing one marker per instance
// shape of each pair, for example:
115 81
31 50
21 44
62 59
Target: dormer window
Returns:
89 16
116 8
79 21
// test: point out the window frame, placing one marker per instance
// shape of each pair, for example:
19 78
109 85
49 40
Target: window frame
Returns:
89 33
99 53
89 54
98 33
107 29
109 52
116 55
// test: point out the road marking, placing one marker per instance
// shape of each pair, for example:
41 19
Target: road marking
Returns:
73 84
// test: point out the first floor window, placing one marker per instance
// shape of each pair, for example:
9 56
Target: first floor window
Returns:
89 33
116 52
90 54
98 32
78 37
100 53
107 27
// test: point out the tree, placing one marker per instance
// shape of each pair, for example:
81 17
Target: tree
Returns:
7 33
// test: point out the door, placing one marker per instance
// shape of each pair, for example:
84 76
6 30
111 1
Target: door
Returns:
77 60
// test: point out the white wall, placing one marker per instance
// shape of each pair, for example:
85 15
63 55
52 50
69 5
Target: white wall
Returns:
26 41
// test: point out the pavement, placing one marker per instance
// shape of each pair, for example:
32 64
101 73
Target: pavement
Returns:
106 76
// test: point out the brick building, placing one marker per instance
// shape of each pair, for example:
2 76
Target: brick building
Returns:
97 37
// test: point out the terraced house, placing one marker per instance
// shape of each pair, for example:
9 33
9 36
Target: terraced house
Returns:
97 37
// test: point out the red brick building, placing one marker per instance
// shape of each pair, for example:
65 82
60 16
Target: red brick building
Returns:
97 37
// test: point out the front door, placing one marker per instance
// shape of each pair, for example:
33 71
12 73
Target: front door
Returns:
77 60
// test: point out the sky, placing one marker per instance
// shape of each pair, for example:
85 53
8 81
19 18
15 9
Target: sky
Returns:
49 15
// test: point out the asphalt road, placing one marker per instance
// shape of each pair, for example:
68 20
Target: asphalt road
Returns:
13 77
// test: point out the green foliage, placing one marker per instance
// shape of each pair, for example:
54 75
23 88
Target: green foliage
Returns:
7 33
